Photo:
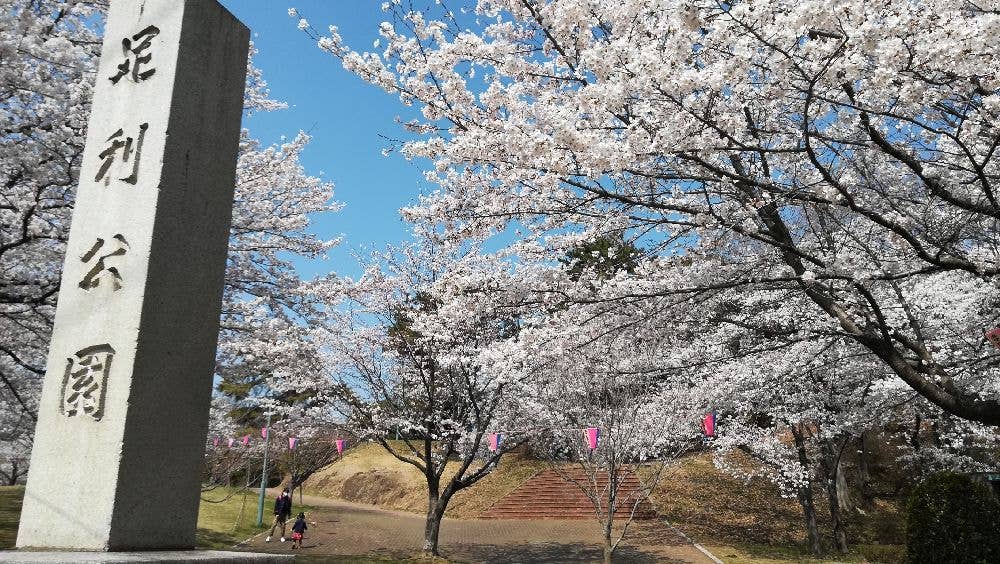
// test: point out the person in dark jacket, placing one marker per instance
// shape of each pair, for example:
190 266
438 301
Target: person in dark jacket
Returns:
298 530
282 511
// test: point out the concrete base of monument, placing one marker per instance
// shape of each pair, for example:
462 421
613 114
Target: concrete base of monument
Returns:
171 556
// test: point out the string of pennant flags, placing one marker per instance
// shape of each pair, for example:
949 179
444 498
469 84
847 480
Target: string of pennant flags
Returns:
590 434
293 442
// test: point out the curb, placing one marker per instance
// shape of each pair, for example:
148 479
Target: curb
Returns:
700 548
681 534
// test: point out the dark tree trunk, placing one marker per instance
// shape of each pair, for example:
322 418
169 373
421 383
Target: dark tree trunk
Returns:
805 496
915 437
431 530
864 472
608 548
432 527
809 514
11 479
832 469
839 532
844 500
608 525
437 501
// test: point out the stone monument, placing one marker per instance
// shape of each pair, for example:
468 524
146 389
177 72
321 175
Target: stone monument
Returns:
119 443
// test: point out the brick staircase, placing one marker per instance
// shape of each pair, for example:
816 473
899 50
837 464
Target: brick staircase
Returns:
547 495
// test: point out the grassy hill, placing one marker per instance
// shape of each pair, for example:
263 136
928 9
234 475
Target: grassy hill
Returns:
713 504
368 474
692 492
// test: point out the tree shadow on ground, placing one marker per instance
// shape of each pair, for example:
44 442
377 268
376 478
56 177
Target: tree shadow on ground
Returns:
207 538
653 533
548 553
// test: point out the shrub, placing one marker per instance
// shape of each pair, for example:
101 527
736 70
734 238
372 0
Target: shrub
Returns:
883 553
950 519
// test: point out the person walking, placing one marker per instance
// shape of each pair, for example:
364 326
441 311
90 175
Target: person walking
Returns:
282 511
298 530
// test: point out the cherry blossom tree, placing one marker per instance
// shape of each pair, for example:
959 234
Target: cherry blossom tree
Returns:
845 153
267 344
315 448
792 402
14 447
794 422
225 460
49 51
315 432
422 352
606 385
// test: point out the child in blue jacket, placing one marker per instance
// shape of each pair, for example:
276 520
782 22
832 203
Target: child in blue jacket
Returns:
299 529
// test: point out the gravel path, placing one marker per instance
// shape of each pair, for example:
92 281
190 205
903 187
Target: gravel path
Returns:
345 528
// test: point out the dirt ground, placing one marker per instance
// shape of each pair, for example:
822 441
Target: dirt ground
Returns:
343 528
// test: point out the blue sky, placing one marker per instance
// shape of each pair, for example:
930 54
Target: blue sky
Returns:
344 115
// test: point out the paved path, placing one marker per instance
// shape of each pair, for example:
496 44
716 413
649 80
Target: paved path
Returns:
345 528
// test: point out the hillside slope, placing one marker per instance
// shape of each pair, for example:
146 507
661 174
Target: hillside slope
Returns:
691 492
368 474
703 501
714 507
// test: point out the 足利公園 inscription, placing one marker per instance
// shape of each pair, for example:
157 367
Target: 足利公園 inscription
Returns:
85 382
136 56
99 256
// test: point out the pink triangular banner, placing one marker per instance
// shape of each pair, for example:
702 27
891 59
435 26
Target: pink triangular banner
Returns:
993 335
709 424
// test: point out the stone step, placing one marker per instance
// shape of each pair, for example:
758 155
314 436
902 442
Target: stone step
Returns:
561 507
568 487
563 501
571 494
548 495
560 515
588 510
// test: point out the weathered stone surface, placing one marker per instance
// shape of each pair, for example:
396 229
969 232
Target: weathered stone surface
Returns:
124 408
174 556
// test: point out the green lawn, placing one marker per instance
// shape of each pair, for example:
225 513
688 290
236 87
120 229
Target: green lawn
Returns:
329 559
220 524
10 512
772 554
224 520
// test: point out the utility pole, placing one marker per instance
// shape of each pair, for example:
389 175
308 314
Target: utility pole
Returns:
263 472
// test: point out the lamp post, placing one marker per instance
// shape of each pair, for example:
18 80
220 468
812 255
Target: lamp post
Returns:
263 472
